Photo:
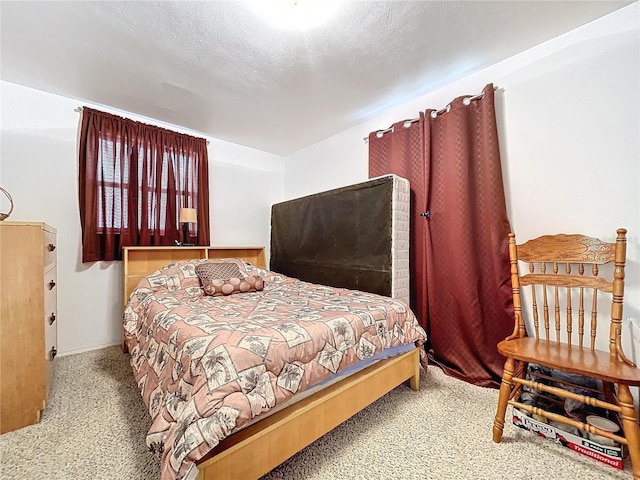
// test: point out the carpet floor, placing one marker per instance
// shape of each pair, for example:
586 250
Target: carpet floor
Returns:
95 426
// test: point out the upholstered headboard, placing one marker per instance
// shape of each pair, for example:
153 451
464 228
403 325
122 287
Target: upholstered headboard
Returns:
354 237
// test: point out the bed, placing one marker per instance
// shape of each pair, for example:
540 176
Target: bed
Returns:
243 420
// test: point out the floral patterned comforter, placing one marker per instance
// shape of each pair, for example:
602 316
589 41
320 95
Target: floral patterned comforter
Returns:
207 366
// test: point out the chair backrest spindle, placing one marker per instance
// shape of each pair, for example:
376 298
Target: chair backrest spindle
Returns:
545 306
594 318
569 316
556 308
581 319
536 320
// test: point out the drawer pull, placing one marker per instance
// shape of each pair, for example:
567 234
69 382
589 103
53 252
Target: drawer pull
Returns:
52 284
52 353
51 247
52 318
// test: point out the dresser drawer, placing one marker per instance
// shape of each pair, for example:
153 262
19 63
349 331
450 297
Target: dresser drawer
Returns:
50 284
50 336
50 326
50 248
51 341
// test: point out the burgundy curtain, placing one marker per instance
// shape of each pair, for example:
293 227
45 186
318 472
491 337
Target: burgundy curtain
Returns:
467 280
133 180
401 151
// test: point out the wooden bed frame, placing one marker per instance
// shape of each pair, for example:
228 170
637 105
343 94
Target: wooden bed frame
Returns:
259 448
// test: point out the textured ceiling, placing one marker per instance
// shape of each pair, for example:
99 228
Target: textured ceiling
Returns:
221 69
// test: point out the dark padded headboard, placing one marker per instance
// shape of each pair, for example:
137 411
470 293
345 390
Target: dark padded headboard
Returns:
341 237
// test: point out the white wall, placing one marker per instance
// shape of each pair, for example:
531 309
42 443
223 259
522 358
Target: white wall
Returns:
569 121
569 113
38 166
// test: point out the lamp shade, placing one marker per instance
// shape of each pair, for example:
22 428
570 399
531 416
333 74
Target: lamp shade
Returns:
188 215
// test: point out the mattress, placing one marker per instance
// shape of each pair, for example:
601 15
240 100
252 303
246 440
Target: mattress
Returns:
353 237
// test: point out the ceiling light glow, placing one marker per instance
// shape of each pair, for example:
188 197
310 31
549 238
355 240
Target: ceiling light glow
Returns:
295 14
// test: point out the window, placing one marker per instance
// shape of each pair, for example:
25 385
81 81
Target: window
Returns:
133 180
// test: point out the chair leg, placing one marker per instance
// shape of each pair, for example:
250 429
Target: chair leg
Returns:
630 427
520 371
503 399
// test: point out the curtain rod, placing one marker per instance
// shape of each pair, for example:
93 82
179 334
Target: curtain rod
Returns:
79 110
434 114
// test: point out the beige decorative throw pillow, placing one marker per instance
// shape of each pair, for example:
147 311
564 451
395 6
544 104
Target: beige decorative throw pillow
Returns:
217 270
225 279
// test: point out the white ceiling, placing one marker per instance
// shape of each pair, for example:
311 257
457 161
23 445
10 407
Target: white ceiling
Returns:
219 68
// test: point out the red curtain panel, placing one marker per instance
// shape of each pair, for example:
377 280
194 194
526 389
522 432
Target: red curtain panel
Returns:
401 151
465 271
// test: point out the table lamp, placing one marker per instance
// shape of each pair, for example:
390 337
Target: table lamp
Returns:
187 216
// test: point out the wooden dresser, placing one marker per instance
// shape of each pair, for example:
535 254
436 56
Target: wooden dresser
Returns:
28 325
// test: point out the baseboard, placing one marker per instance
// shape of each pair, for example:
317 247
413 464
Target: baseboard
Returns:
86 349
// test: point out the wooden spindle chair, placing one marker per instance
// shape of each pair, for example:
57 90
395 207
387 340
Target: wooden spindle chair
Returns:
564 269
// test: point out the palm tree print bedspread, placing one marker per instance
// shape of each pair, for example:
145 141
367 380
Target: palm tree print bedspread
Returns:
208 366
